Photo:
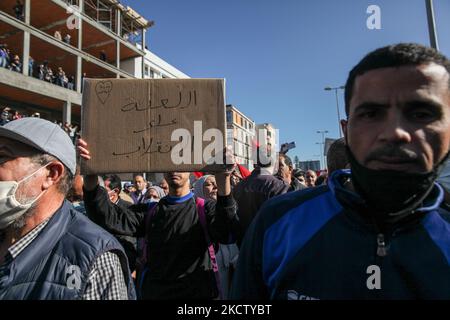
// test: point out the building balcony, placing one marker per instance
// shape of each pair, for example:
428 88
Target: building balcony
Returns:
31 94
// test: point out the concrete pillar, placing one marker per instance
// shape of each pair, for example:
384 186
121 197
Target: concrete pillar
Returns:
78 82
119 33
119 22
80 28
26 53
27 5
118 54
143 49
81 5
67 112
26 38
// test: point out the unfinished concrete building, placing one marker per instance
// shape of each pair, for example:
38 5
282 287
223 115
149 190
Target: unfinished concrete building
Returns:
86 38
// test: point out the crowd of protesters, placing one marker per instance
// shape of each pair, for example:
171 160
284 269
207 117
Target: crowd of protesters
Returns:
8 115
269 232
9 60
139 194
42 71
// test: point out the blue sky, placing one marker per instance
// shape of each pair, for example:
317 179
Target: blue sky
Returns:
278 55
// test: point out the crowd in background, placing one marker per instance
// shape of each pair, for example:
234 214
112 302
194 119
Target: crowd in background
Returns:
140 191
8 115
42 71
269 232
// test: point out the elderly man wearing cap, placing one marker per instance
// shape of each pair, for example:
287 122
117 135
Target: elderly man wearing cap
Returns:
47 249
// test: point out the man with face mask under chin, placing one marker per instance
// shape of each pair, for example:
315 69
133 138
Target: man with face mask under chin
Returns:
376 231
48 250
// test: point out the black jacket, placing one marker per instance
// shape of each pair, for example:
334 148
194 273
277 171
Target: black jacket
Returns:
178 264
128 243
251 193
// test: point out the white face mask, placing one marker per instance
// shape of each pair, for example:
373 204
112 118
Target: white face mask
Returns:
150 200
10 208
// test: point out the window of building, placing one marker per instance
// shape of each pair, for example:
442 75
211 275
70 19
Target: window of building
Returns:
229 137
229 117
146 70
152 74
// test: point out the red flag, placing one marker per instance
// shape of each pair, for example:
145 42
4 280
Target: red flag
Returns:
244 171
198 174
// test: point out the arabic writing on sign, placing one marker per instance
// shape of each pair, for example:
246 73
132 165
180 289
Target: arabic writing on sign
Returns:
147 148
148 145
158 123
134 105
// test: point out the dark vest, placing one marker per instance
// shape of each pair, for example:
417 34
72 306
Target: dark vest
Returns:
56 265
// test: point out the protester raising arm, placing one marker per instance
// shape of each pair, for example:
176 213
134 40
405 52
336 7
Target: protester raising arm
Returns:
220 215
114 218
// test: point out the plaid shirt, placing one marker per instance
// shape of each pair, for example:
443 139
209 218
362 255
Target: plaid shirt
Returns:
106 280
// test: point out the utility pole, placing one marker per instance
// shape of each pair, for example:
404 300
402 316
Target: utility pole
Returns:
322 132
431 24
337 105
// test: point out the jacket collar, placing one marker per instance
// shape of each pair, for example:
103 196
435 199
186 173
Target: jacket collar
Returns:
45 240
356 205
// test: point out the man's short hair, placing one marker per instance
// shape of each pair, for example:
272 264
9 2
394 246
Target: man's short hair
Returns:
337 156
139 175
65 183
397 55
321 179
311 172
298 173
114 182
287 160
263 152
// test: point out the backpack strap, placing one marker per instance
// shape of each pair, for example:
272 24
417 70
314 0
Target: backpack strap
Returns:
212 255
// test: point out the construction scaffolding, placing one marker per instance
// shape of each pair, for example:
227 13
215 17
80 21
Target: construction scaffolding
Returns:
95 48
106 12
100 11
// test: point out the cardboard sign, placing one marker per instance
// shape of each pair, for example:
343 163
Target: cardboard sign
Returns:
153 125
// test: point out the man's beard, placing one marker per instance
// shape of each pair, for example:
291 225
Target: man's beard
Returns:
21 221
18 224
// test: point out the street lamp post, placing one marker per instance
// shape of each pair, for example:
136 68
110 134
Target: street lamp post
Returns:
321 153
337 105
431 24
322 132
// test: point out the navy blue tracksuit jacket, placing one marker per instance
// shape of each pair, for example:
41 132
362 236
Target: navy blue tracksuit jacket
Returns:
314 244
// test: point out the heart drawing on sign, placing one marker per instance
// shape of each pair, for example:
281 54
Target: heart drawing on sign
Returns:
103 89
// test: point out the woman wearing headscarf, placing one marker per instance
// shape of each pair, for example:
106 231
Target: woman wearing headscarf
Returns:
154 194
227 255
205 187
